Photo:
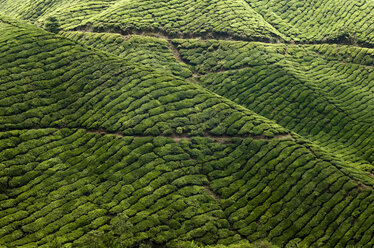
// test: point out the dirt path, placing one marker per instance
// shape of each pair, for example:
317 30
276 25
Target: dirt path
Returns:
179 137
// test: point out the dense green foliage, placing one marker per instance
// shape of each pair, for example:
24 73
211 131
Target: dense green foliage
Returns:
135 49
82 88
201 18
67 183
121 131
69 12
322 20
51 24
322 92
341 21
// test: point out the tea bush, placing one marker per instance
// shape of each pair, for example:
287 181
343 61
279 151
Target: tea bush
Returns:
116 148
73 202
300 95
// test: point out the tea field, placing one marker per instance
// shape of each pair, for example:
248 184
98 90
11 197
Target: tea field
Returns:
208 123
310 21
322 92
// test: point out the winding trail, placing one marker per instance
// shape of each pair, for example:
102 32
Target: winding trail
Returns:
210 36
179 137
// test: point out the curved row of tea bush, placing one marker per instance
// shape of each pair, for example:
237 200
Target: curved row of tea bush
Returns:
69 13
324 20
64 181
329 90
59 185
303 88
70 186
56 83
332 21
134 49
176 18
186 18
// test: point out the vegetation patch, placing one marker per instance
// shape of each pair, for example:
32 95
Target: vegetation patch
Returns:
209 123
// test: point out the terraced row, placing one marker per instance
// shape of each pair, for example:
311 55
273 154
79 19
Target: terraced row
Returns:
309 21
301 21
212 56
349 54
60 185
65 183
176 18
323 20
54 82
137 49
70 13
329 102
209 56
284 194
65 180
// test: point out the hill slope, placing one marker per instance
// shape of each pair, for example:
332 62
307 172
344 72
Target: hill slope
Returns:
298 20
323 20
322 92
161 141
304 88
174 18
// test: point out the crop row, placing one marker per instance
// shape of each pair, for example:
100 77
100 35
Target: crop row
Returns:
320 98
135 50
68 13
349 54
308 21
66 183
234 18
62 183
278 190
71 14
176 18
210 56
54 82
331 21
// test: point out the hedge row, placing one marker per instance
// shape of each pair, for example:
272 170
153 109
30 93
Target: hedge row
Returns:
333 21
323 20
68 13
71 186
66 183
176 18
304 88
56 83
135 50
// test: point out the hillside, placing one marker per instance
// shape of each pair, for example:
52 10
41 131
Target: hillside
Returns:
186 123
331 21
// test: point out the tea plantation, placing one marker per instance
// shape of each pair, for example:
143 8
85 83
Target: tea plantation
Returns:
208 123
323 92
310 21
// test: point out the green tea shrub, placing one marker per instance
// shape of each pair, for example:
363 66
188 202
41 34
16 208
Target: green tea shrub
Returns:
51 24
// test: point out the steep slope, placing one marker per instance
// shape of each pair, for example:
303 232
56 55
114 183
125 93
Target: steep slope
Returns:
332 21
137 49
186 18
323 20
322 92
174 18
93 142
70 12
79 88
